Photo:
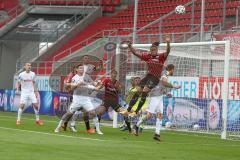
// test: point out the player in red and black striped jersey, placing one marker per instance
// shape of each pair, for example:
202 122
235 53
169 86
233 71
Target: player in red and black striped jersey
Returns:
112 90
155 62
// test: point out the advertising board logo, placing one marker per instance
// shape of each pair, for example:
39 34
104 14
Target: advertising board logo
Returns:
214 114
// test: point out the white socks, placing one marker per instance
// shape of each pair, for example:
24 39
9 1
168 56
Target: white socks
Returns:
158 126
141 120
20 110
60 123
36 114
97 125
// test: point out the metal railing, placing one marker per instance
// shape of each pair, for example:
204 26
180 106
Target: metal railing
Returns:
51 39
237 15
68 2
93 38
47 41
15 11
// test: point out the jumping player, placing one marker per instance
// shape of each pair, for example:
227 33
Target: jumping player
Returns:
155 64
155 106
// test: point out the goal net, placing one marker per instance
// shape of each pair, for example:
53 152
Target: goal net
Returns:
208 100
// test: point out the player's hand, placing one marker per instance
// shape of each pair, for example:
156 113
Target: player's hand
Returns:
176 86
129 43
168 39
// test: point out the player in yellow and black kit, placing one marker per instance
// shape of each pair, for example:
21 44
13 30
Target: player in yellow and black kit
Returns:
134 89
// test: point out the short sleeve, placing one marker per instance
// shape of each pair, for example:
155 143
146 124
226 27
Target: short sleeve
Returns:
73 80
19 78
105 81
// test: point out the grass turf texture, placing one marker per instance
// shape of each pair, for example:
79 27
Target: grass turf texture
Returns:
29 142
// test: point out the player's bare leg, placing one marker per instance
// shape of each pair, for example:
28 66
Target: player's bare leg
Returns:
64 118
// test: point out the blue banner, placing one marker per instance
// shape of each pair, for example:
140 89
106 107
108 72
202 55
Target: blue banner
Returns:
179 111
2 96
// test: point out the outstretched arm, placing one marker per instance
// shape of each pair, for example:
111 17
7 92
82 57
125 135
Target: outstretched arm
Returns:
133 50
165 83
168 47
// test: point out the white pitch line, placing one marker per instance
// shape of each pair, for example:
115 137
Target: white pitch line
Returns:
52 134
101 140
181 133
11 117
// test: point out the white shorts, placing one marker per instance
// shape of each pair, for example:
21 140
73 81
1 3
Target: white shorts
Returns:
81 102
28 97
156 105
96 102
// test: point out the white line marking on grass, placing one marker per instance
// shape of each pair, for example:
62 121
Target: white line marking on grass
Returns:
101 140
11 117
176 132
52 134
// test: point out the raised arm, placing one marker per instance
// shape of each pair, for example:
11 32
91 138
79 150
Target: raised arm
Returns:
133 50
168 47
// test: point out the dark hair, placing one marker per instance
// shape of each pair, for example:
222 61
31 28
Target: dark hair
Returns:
169 67
155 44
85 55
134 78
73 68
79 65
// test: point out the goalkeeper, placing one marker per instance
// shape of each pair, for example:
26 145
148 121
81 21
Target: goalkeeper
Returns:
134 89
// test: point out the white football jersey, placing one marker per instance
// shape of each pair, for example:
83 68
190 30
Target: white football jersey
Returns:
26 80
85 89
160 89
89 68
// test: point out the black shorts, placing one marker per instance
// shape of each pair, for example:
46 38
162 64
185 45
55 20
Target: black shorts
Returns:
150 81
111 103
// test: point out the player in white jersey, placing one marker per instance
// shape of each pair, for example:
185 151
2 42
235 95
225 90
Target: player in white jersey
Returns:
81 101
155 106
26 80
88 70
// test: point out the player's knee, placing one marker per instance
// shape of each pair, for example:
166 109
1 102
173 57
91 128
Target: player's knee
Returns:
35 105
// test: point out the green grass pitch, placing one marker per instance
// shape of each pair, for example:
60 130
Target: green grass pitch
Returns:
31 142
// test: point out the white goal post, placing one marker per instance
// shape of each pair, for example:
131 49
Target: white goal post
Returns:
199 65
